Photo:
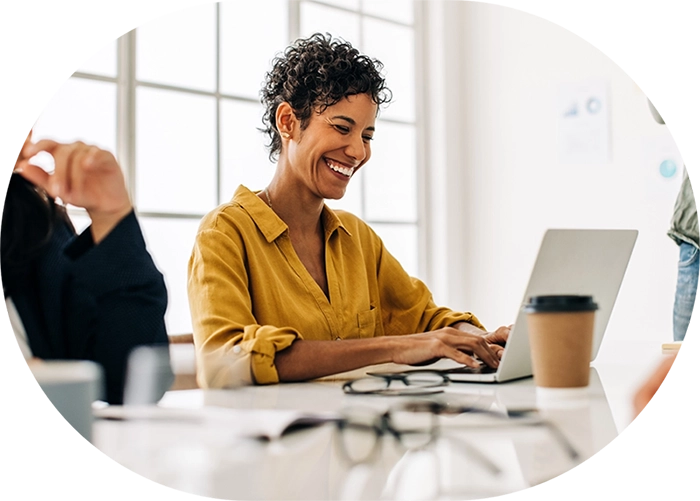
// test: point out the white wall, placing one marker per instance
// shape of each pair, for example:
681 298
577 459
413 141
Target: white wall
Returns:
499 183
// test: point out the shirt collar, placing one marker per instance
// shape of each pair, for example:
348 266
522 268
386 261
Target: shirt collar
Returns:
270 224
332 222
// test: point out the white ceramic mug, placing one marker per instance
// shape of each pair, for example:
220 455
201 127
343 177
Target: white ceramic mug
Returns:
71 386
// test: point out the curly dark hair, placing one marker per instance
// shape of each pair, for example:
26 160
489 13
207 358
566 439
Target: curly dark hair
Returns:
315 73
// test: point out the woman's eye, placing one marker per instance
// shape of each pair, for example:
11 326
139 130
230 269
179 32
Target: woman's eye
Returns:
342 128
367 139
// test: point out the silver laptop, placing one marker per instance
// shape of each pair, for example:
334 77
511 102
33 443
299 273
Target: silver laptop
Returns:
584 262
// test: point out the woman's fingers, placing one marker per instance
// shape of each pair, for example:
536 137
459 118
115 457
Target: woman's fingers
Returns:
71 161
77 167
47 145
96 157
499 336
35 175
479 346
60 180
498 350
461 357
485 353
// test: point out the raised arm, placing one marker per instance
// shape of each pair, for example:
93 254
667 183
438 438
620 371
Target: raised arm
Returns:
113 296
123 297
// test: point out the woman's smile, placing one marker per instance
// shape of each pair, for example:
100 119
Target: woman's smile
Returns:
340 168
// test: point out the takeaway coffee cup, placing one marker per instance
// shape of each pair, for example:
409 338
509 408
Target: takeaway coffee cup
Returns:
561 339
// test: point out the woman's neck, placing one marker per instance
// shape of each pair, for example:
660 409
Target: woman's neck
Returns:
294 203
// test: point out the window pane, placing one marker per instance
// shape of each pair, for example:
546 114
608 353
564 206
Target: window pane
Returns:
340 24
82 110
348 4
401 240
179 49
102 63
394 46
244 61
244 158
170 243
352 201
390 175
175 152
396 10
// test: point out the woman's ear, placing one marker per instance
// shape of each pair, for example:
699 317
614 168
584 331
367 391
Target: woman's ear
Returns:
286 120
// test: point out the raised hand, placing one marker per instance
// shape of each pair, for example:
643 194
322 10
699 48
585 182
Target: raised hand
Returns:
85 176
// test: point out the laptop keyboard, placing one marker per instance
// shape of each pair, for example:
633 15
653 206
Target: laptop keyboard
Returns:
482 369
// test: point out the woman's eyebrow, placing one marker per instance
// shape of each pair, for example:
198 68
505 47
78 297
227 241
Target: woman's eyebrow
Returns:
351 121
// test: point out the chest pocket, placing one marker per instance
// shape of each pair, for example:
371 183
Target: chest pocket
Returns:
366 322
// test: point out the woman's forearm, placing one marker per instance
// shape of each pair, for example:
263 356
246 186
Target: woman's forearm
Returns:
469 328
313 359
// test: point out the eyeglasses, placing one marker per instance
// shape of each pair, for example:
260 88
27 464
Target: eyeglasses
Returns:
360 429
415 425
415 383
515 417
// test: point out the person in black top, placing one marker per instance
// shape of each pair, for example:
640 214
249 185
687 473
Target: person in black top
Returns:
93 296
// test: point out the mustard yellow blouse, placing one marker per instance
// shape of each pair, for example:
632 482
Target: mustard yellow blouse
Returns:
250 295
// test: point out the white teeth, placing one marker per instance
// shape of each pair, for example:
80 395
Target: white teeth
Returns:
346 171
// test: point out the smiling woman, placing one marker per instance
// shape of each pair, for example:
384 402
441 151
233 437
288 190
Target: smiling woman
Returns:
276 275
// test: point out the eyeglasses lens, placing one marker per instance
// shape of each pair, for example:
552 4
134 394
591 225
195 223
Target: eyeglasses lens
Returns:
369 384
358 441
424 379
414 429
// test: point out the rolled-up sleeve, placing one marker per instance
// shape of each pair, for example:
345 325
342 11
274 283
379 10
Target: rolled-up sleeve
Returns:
232 347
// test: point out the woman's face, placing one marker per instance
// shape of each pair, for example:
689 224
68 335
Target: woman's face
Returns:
11 142
335 144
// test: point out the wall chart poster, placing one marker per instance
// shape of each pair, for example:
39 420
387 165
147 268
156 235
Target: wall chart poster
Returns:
583 122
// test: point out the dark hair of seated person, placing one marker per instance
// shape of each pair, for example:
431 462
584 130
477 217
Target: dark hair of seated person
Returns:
29 218
314 73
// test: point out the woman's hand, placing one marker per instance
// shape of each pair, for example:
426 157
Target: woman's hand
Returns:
497 339
499 336
448 342
85 176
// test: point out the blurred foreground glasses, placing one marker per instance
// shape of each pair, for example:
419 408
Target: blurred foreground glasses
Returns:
360 432
414 383
513 417
415 425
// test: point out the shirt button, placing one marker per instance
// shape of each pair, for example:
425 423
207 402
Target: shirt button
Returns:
338 338
237 349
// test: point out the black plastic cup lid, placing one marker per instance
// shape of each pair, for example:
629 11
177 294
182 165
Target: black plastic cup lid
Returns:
559 303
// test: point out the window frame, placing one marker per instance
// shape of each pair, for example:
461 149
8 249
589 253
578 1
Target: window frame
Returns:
127 85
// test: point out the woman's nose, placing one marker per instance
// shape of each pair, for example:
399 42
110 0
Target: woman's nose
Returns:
357 149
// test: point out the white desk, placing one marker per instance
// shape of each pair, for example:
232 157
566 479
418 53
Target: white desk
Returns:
210 457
